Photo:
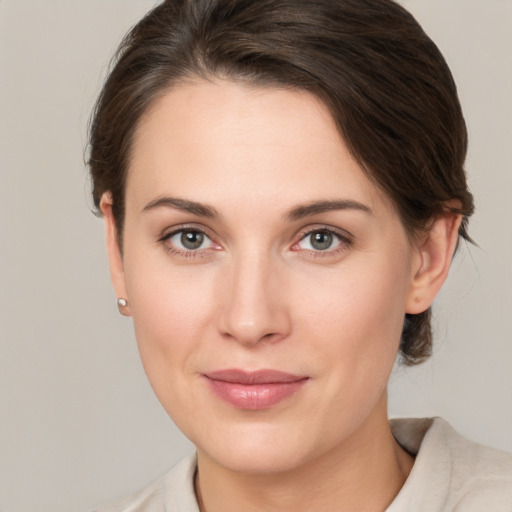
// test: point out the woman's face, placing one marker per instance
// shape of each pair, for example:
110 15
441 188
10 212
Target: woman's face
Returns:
267 277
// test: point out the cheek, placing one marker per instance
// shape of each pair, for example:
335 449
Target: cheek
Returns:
362 304
172 311
356 316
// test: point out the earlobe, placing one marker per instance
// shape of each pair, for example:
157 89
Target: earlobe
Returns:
432 263
114 253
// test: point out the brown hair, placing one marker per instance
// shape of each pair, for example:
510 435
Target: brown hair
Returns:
385 82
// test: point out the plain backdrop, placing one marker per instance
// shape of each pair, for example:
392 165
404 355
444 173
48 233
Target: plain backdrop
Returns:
78 422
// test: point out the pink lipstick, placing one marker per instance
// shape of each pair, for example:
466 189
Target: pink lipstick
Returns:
256 390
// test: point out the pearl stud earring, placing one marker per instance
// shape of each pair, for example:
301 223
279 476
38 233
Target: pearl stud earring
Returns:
122 305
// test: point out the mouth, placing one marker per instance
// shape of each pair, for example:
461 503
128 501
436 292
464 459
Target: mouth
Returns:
254 390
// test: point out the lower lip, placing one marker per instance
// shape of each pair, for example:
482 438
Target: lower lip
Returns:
254 396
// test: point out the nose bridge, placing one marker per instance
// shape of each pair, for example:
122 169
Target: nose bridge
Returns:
254 309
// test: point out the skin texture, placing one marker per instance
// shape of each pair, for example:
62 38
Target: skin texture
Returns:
258 294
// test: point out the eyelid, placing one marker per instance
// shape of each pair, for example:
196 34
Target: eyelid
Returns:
346 239
171 232
341 233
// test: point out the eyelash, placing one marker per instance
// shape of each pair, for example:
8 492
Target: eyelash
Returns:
344 242
199 253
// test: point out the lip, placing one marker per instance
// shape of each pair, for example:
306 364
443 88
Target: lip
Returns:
254 390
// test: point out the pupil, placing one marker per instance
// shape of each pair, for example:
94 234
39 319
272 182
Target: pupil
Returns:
321 241
192 239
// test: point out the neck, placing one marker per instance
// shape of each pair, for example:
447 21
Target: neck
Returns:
365 472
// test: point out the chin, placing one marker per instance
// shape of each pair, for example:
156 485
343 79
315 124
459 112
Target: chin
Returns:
256 449
256 460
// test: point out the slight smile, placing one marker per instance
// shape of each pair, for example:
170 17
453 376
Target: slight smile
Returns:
254 390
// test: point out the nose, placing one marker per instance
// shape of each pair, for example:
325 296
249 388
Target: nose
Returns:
254 306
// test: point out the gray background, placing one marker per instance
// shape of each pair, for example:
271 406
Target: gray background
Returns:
78 422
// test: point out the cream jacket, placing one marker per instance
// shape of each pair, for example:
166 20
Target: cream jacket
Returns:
450 474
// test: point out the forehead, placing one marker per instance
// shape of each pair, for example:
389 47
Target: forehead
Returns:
210 139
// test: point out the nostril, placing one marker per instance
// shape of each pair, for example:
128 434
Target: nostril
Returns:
249 337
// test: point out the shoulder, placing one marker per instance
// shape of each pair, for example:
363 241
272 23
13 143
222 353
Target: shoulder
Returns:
172 492
481 476
451 472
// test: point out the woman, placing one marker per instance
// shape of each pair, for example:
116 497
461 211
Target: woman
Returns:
283 190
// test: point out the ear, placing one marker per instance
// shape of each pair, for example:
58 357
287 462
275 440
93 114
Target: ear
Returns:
432 262
114 253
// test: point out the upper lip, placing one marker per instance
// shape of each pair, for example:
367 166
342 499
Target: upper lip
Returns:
266 376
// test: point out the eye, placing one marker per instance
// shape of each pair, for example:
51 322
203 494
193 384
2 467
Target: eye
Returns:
188 240
321 240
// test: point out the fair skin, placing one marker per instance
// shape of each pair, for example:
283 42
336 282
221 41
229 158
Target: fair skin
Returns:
226 265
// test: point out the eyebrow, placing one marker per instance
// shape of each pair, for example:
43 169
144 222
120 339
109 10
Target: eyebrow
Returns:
297 213
199 209
316 207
